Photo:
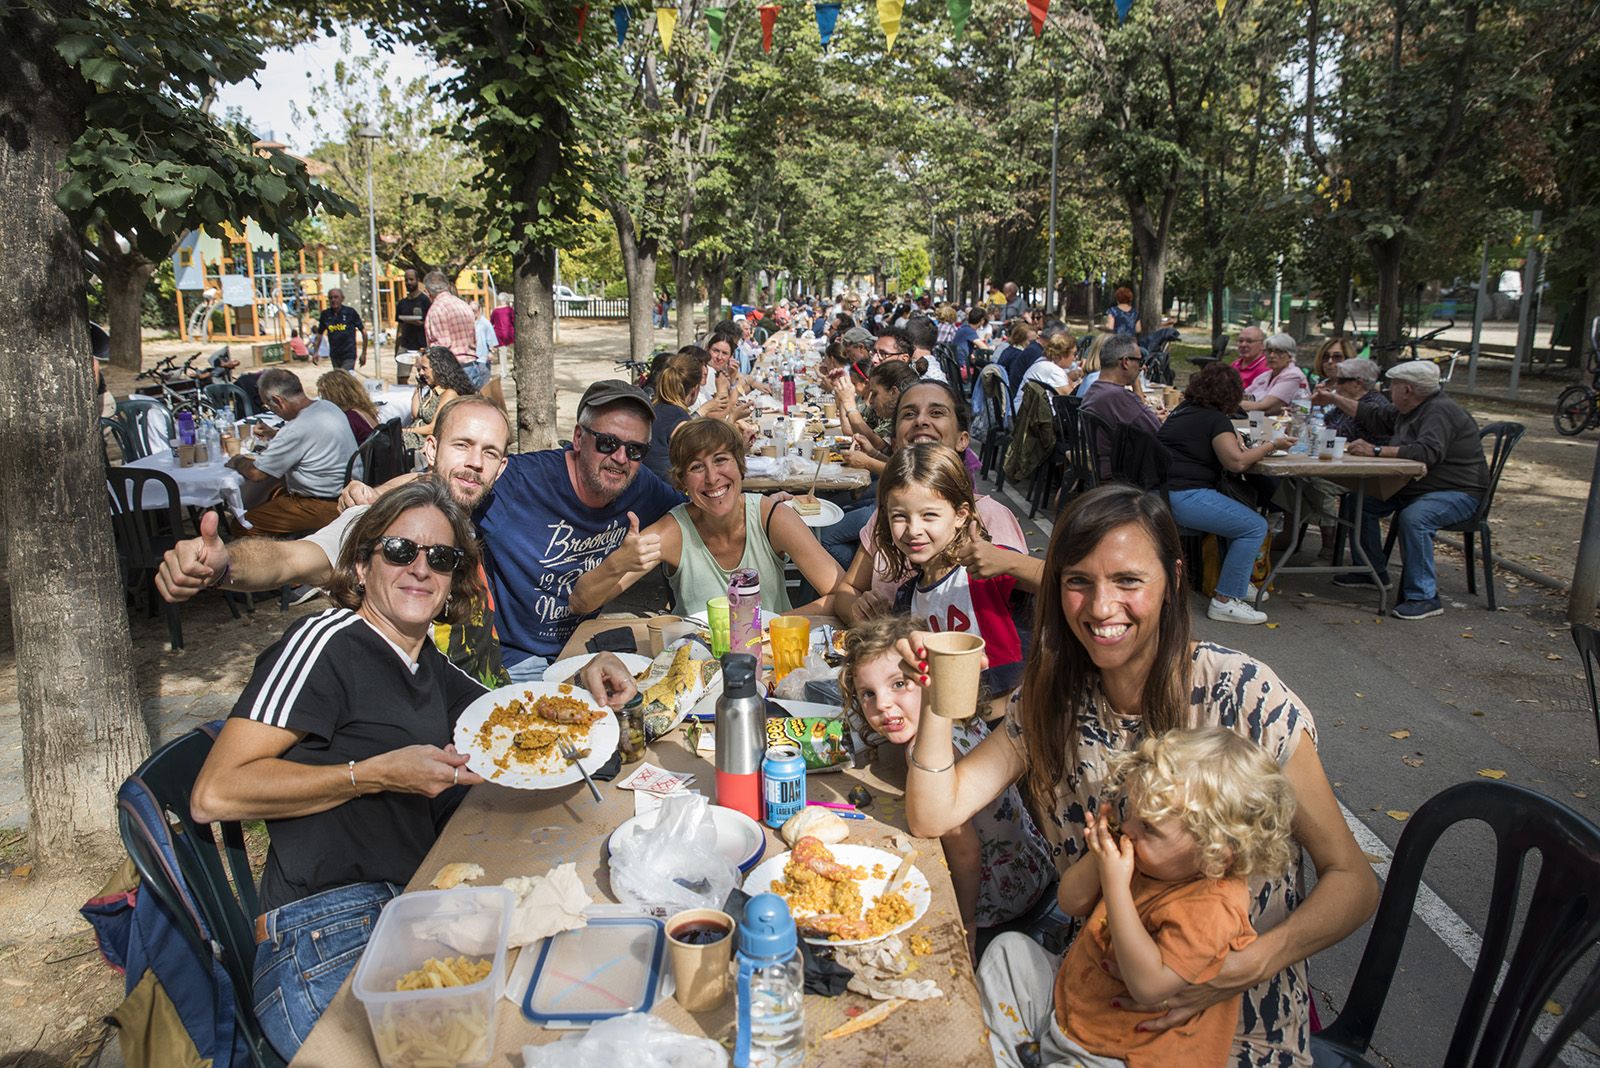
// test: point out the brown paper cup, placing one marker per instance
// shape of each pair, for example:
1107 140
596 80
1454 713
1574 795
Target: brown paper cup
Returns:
954 665
701 971
185 455
655 631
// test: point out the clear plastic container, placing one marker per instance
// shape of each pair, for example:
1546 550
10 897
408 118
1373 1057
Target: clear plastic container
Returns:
451 1025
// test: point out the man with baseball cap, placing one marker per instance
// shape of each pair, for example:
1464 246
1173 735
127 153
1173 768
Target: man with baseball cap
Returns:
1421 423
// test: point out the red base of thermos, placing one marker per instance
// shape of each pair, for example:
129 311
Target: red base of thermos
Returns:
740 792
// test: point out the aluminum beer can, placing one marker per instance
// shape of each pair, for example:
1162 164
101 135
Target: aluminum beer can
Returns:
783 775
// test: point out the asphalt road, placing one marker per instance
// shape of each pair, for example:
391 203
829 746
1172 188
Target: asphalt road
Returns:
1468 692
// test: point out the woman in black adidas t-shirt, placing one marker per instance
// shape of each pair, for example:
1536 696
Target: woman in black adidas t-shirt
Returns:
341 742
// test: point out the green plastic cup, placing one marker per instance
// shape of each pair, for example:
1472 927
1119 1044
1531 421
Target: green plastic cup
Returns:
720 619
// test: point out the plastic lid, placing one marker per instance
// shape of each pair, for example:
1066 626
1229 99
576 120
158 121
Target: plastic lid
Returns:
767 930
608 968
738 675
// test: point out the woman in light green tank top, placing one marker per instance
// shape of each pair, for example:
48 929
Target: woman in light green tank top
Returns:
717 531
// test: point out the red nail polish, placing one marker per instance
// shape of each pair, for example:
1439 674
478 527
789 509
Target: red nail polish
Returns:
1116 1004
1105 967
924 680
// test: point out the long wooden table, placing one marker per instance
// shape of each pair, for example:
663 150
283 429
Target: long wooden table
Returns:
1380 477
515 832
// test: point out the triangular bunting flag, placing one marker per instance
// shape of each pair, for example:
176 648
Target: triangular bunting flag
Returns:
619 19
1123 7
959 10
583 19
666 22
769 18
715 19
1037 10
889 19
1221 4
827 18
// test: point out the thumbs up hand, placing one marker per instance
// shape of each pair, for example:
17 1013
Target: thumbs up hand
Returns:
982 558
638 552
194 564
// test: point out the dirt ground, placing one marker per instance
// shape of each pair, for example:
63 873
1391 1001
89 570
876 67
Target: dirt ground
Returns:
54 987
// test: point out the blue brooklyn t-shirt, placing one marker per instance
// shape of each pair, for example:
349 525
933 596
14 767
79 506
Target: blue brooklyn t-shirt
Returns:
541 540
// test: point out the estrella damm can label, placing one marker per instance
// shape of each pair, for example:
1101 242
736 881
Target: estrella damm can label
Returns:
783 775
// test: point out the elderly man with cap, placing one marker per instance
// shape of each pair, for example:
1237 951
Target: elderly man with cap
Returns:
1275 390
1422 424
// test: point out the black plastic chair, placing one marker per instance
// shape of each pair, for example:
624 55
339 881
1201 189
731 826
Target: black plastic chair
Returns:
1061 473
149 421
1099 442
1140 459
1588 642
992 457
383 455
1559 926
144 531
1506 435
221 393
127 444
214 906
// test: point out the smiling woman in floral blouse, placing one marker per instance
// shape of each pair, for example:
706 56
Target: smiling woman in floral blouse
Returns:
1112 662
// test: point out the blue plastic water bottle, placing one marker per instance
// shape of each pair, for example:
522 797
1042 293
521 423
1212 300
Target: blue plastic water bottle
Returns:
771 988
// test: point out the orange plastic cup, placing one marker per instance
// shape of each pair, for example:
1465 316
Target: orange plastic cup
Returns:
791 638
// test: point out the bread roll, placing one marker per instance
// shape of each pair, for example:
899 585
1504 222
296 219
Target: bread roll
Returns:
452 875
819 823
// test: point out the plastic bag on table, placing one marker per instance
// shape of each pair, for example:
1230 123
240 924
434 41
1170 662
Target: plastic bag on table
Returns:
637 1040
815 669
674 864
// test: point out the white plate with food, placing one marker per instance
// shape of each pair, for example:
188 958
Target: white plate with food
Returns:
565 669
512 734
826 515
739 838
842 908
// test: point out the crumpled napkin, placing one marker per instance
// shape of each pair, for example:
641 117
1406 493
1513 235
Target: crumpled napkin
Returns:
546 904
880 971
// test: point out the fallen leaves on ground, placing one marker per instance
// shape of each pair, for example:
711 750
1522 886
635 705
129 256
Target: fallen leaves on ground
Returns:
1271 626
1553 656
1491 773
1553 1008
1411 761
1399 815
1400 735
1374 858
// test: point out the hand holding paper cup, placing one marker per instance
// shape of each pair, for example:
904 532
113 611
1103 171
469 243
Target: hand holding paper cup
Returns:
955 663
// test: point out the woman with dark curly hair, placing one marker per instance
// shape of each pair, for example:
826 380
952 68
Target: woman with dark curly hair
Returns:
1200 438
341 741
440 380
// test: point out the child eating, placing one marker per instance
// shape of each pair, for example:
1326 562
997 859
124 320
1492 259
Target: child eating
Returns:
1168 899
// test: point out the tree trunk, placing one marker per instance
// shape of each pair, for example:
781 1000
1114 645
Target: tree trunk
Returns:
534 370
82 732
1150 250
639 268
716 273
683 285
1219 290
123 277
1386 257
1341 299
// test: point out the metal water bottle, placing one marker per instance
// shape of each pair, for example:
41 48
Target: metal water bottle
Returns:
741 737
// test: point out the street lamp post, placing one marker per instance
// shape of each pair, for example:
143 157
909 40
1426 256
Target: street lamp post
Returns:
370 135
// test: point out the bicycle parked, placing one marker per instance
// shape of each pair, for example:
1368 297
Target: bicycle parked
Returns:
1578 407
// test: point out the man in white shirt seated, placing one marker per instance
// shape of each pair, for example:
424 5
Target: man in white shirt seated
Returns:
307 455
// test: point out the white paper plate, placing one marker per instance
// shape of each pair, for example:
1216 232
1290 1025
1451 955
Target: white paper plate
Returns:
739 838
915 889
601 740
562 670
829 515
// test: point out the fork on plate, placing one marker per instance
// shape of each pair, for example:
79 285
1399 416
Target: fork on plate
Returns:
572 755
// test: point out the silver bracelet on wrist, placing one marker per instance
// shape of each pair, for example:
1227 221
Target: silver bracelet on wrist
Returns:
911 756
353 776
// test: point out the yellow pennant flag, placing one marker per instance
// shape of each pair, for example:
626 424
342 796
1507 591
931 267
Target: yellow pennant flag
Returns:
889 19
1221 5
666 22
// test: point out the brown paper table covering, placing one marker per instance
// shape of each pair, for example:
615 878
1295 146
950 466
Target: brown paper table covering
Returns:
516 832
847 479
1382 477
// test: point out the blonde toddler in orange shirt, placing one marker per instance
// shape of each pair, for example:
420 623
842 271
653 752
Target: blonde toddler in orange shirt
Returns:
1168 898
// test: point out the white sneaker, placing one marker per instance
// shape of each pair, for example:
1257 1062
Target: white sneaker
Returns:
1250 594
1234 612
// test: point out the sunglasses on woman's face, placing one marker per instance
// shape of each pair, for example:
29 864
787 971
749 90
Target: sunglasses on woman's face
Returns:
607 444
441 558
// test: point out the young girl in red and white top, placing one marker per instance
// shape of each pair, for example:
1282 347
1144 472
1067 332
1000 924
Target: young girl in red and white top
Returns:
926 523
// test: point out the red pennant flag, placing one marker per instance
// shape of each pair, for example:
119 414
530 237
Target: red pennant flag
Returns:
583 19
1038 9
769 17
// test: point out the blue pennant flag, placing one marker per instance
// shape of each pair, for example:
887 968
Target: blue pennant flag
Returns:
620 16
827 18
1123 7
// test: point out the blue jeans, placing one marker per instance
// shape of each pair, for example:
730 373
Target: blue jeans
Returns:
312 944
477 373
1418 518
528 669
843 538
1217 513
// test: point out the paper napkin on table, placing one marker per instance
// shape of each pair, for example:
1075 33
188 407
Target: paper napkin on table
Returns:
546 904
